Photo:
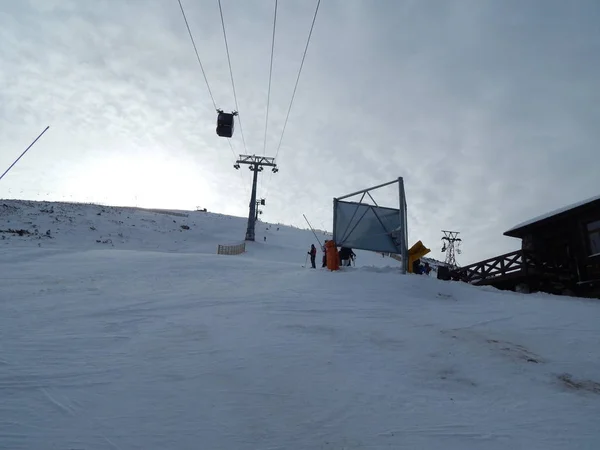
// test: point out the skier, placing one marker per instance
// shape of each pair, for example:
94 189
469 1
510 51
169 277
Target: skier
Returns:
313 255
324 254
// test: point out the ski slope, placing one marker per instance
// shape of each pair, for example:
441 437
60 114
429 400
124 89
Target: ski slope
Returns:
121 329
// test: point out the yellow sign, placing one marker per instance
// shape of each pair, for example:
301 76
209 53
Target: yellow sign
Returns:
417 251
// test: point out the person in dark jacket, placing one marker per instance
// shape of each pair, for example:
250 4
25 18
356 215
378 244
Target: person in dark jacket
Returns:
344 256
417 268
313 255
427 268
324 255
352 256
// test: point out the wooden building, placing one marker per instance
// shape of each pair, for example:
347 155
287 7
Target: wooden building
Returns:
560 253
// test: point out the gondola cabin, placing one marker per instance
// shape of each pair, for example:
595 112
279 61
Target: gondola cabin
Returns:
225 124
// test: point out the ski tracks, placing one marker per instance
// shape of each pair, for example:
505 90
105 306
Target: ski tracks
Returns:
70 408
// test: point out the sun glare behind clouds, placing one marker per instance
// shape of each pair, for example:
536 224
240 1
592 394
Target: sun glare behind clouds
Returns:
152 180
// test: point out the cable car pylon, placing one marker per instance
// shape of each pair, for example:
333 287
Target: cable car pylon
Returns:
256 164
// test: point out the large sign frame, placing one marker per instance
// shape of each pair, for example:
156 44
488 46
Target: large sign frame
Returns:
370 227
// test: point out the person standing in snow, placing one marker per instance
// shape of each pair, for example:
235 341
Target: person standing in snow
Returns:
352 256
416 266
324 254
427 268
346 256
343 253
313 255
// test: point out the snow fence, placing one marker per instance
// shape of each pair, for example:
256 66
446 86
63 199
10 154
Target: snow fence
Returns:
236 249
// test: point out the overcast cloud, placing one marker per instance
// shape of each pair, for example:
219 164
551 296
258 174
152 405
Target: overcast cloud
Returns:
490 110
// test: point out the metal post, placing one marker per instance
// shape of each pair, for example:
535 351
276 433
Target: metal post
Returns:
334 234
403 224
30 145
256 163
367 190
313 231
252 215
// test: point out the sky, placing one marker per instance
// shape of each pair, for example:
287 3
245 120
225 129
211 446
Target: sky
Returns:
488 110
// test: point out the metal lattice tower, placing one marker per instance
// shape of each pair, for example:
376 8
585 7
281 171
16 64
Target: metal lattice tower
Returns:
451 243
256 164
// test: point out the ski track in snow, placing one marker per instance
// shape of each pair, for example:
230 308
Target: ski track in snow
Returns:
153 342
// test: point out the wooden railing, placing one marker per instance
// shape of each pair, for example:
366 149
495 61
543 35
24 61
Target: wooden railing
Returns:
518 262
236 249
502 265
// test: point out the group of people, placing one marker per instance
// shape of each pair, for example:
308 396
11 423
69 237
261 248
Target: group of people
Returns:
346 255
421 269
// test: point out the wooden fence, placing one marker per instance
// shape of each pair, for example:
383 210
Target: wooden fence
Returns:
509 263
518 263
236 249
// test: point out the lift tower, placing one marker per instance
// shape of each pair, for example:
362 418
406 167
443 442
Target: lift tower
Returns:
451 247
256 164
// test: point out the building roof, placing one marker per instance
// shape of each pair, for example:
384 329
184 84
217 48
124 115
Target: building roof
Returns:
517 230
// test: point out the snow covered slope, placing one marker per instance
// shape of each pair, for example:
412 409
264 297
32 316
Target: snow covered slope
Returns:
152 341
87 226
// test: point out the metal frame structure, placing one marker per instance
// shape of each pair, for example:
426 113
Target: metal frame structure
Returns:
451 247
398 236
256 164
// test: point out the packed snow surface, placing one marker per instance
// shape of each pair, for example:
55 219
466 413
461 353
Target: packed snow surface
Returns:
123 329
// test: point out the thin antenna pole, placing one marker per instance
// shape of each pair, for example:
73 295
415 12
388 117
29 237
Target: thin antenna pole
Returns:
30 145
313 231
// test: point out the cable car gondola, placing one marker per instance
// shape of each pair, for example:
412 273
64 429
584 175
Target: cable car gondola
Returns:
225 123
